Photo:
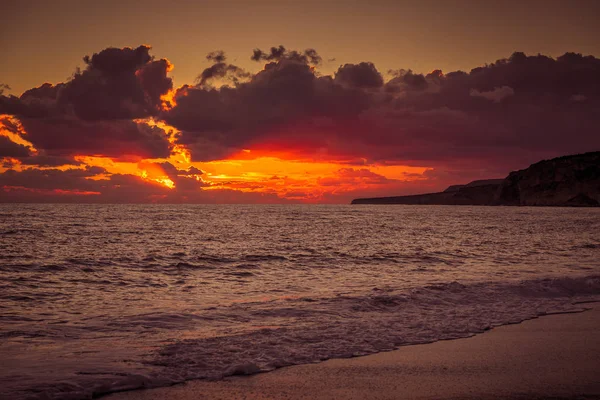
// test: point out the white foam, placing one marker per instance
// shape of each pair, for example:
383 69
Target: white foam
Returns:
352 326
299 331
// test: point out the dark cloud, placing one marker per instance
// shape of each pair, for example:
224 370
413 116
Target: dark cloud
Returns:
308 56
119 139
8 148
3 87
49 161
118 84
279 100
222 70
275 53
38 160
407 80
37 102
73 185
50 179
496 95
154 82
191 171
93 112
313 57
493 118
113 61
363 75
217 56
528 106
173 172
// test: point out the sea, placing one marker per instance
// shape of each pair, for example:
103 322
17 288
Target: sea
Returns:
96 299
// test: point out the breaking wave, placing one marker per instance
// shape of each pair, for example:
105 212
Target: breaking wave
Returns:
102 298
308 330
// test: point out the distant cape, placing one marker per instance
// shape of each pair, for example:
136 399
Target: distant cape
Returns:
569 181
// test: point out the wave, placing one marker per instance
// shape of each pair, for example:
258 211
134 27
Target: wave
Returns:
286 332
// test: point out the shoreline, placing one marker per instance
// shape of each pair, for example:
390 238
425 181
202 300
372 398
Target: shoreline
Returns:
555 355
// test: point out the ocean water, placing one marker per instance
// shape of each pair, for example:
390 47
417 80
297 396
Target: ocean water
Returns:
102 298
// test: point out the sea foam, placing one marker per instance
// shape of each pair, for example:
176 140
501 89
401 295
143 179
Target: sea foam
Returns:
309 330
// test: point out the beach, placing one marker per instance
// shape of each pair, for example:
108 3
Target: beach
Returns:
255 288
555 356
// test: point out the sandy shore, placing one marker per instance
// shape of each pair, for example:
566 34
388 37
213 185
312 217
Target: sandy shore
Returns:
556 356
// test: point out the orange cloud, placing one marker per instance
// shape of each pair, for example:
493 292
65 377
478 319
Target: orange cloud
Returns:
154 172
50 192
303 180
13 129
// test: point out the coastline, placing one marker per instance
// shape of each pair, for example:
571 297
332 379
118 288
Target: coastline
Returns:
557 356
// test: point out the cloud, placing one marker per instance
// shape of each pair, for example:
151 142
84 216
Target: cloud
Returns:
217 56
75 185
3 87
407 80
49 161
118 139
522 106
118 84
496 95
220 69
308 56
363 75
173 172
354 177
115 84
278 101
526 103
39 102
8 148
50 179
491 119
93 113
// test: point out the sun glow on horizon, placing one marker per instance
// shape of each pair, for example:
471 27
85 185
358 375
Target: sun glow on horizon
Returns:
304 180
284 173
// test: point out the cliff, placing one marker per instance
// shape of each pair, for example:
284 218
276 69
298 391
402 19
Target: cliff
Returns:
477 194
564 181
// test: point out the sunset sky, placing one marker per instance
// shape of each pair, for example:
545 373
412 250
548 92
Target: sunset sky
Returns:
288 101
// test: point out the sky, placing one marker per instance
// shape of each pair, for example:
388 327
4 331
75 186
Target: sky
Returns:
288 101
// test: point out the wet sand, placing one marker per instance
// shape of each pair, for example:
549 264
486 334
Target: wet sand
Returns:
556 356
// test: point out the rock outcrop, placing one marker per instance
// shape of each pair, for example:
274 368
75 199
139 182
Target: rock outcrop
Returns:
564 181
478 194
570 181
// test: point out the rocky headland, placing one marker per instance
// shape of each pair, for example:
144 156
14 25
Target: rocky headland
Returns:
569 181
